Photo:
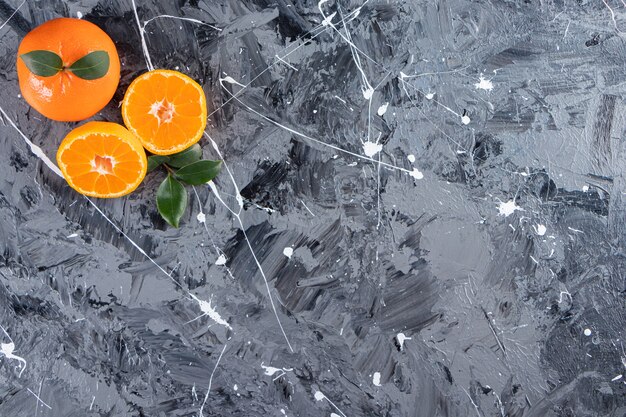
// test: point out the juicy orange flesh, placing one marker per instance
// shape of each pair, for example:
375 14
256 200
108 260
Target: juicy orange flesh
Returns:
168 115
101 163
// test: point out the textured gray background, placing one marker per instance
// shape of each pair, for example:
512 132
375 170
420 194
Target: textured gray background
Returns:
495 309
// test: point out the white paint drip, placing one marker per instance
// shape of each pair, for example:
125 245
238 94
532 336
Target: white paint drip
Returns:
585 188
430 96
235 387
208 310
376 379
465 120
401 337
79 15
484 84
371 148
334 415
587 332
319 396
382 109
411 158
508 208
201 217
288 252
417 174
221 260
541 229
270 370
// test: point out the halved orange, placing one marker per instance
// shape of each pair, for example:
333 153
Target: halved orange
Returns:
166 110
102 159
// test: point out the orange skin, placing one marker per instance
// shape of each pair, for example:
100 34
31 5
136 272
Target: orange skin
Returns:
65 97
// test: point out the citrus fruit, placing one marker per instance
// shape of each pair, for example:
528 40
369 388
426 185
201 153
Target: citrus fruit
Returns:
68 69
166 110
102 159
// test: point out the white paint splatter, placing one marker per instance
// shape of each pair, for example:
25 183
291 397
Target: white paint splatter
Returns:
221 260
617 378
376 379
231 80
201 217
334 415
587 332
411 158
7 349
79 14
288 252
465 120
541 229
371 148
368 93
401 337
430 96
585 188
319 396
382 109
508 208
235 387
417 174
208 310
484 84
72 235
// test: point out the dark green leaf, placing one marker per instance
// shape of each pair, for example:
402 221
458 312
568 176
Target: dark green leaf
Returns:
155 161
43 63
92 66
186 157
199 172
171 200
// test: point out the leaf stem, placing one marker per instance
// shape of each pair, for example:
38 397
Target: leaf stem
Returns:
169 169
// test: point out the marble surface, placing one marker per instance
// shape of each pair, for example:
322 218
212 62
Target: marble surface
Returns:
422 215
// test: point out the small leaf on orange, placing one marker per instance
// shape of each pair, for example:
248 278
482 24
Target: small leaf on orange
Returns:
43 63
92 66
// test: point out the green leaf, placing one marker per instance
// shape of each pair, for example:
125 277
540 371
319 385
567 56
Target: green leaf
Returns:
43 63
171 200
199 172
155 161
92 66
186 157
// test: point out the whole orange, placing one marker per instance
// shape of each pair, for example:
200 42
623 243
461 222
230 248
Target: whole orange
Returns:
65 96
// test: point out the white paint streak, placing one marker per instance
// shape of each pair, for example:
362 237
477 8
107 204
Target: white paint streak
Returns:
206 397
13 14
186 19
319 396
142 34
508 208
288 252
371 148
376 379
617 378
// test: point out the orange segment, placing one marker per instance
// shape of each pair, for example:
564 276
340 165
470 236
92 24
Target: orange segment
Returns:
166 110
102 159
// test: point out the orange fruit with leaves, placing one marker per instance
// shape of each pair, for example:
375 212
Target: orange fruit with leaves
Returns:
102 159
166 110
68 69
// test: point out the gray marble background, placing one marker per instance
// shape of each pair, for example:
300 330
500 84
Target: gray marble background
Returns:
424 217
